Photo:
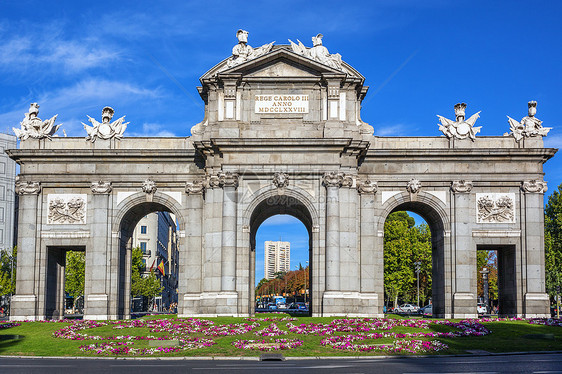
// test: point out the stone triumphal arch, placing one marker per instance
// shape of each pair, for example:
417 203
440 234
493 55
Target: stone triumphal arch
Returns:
282 133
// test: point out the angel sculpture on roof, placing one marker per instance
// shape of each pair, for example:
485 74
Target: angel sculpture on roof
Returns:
529 125
318 52
105 129
460 128
33 127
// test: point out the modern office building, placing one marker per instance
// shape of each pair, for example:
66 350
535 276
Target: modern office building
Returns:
277 258
7 194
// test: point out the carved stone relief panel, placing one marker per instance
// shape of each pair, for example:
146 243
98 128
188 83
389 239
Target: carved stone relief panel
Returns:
495 207
66 209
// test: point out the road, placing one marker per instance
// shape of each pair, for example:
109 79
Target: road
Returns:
524 363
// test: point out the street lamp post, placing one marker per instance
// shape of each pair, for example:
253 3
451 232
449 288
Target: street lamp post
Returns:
418 269
485 273
306 282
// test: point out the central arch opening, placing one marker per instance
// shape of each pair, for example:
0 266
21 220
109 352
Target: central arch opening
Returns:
423 245
148 260
281 256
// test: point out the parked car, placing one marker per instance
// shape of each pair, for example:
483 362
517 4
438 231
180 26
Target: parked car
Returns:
481 308
406 309
426 310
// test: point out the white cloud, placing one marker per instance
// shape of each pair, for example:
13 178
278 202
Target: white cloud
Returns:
86 97
553 141
398 129
43 50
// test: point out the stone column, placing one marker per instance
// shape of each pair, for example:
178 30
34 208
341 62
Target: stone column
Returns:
371 255
464 286
96 283
24 302
349 250
229 182
189 282
333 182
536 302
212 228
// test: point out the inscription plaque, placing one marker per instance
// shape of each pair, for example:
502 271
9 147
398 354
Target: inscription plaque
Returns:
281 104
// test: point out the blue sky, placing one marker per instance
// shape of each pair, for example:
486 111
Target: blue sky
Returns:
144 59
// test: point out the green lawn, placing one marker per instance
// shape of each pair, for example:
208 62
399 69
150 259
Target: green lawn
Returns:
36 339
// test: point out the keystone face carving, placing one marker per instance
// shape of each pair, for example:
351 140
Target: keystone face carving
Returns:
281 180
534 186
461 186
367 187
27 188
333 179
101 187
460 129
33 127
194 188
149 187
413 186
529 126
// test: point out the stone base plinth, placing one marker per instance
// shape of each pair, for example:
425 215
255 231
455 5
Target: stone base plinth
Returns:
210 304
537 305
23 308
464 305
350 304
95 307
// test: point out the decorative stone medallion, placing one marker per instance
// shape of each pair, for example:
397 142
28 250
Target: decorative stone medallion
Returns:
495 207
66 209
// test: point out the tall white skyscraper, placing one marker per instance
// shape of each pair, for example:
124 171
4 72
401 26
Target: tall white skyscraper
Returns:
277 258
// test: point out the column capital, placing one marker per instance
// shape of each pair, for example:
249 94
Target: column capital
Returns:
534 186
367 187
333 179
461 186
27 188
228 179
194 188
101 188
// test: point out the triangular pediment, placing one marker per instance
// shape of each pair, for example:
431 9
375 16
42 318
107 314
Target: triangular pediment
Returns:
280 62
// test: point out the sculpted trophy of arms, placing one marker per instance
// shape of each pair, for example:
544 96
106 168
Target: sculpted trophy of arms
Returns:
33 127
105 129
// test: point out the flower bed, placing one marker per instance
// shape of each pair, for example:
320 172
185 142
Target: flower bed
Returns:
267 345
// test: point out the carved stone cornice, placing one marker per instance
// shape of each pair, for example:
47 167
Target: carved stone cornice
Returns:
534 186
333 179
195 187
281 180
228 179
28 188
413 186
101 188
367 187
149 187
461 186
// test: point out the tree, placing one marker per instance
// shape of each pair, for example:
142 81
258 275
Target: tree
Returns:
553 242
8 271
404 244
74 273
148 285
